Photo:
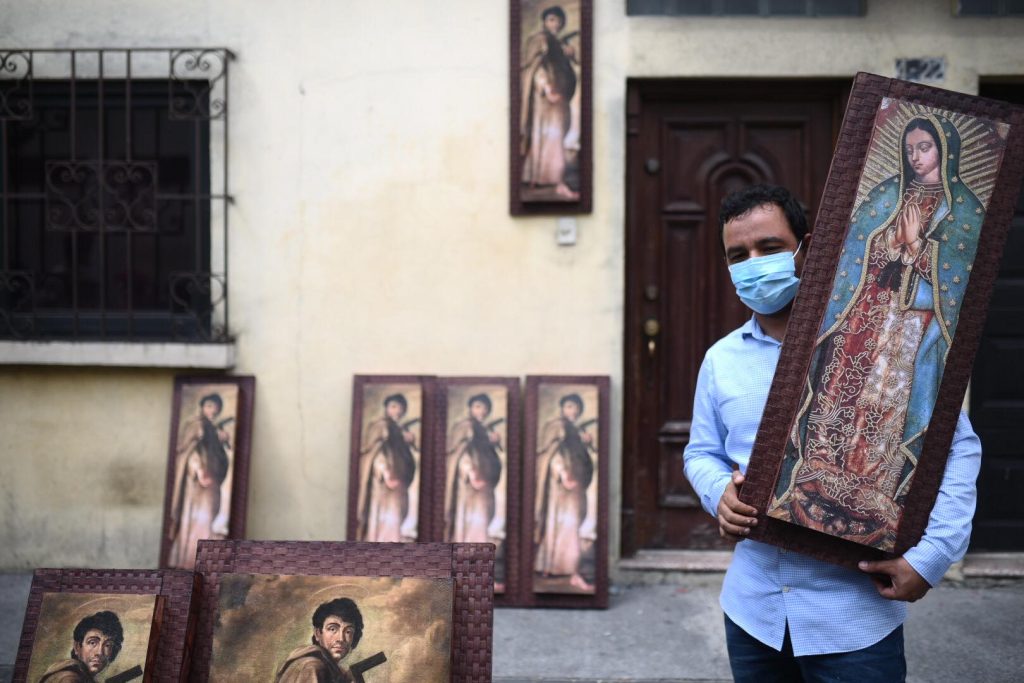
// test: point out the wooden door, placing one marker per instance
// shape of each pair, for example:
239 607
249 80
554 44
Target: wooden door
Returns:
997 388
690 142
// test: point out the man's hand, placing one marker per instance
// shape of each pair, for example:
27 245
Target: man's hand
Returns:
896 579
734 517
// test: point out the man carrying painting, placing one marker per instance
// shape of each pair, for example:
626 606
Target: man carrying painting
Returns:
337 628
96 641
789 617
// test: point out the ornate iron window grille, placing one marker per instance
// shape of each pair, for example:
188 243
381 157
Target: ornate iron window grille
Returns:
114 194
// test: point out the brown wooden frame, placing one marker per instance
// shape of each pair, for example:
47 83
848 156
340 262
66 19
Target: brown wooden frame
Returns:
243 446
471 565
808 310
427 526
513 471
600 597
177 610
517 206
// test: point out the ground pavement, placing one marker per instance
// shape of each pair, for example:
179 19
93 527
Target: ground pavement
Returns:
959 633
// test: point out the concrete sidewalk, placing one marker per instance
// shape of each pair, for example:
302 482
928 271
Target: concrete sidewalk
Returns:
958 633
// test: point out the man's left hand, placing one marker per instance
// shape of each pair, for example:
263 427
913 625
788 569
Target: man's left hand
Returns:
896 579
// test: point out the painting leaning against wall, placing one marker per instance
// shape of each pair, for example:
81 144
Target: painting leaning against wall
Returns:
81 636
882 346
290 629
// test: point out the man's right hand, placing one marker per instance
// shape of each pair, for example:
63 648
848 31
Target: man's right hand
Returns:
735 517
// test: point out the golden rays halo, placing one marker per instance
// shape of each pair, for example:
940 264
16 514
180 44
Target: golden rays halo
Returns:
125 606
979 155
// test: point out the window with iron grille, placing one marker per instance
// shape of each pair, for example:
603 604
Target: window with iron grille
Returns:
114 194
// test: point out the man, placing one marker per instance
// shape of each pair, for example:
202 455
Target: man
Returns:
337 628
96 641
789 617
473 474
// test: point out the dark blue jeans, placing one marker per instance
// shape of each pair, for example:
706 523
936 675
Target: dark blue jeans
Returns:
754 662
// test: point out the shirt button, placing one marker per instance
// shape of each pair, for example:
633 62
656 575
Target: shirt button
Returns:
785 589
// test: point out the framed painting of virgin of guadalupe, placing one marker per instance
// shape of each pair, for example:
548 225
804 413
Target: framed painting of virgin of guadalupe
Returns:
565 492
550 85
875 363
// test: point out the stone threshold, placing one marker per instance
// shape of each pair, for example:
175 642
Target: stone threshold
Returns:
975 565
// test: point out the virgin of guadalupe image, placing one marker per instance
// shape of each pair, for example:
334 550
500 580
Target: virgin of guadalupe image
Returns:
473 446
201 467
548 73
882 346
565 470
388 443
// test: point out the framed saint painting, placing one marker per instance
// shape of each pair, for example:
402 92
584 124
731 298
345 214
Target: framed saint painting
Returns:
550 82
565 491
478 433
389 480
110 625
853 442
208 464
302 611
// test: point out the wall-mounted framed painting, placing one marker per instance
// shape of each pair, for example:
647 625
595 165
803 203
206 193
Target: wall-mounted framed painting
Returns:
854 438
389 477
478 435
565 491
207 464
295 611
550 67
111 624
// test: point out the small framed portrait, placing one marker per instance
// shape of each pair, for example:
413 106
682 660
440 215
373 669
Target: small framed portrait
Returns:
565 492
293 629
882 336
550 81
290 611
389 478
480 469
110 625
208 464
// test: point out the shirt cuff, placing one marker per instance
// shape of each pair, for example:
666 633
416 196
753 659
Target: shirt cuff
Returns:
715 495
928 562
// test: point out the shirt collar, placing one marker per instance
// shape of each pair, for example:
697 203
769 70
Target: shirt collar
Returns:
752 329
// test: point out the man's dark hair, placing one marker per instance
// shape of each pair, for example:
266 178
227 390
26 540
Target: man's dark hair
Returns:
105 622
480 398
399 399
213 398
556 11
574 398
737 203
343 608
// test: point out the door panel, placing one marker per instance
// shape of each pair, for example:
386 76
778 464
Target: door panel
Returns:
997 388
689 144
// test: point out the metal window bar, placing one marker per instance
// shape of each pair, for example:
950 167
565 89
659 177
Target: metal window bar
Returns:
106 234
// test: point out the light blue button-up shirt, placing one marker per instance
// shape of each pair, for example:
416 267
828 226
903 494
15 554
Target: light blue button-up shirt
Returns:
828 608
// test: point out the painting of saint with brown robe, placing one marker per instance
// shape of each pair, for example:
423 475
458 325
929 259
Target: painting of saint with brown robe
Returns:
565 521
85 637
389 463
476 469
550 94
204 453
332 629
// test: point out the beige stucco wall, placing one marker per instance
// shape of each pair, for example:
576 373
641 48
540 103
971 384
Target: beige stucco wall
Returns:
371 234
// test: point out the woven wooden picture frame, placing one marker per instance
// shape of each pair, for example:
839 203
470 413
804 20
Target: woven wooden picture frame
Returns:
175 618
470 565
480 481
862 201
565 565
207 466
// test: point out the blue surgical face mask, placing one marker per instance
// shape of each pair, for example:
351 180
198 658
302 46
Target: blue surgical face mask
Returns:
766 284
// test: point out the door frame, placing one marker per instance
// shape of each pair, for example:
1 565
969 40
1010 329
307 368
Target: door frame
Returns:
637 427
